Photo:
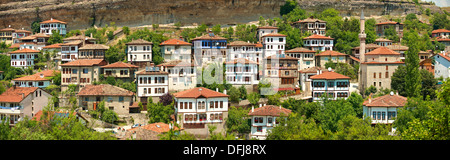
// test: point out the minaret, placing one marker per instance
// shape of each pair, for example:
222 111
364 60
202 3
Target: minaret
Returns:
362 51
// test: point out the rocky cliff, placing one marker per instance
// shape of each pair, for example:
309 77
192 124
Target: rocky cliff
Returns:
82 13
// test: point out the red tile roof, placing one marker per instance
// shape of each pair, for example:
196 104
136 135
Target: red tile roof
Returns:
57 45
177 63
156 127
270 110
446 57
313 70
382 40
331 53
382 51
259 45
48 73
104 90
7 29
329 76
53 21
199 92
387 101
240 43
274 35
209 37
316 36
139 42
241 61
300 50
85 62
267 27
354 58
388 22
34 77
310 19
440 31
120 64
14 94
25 50
399 62
175 42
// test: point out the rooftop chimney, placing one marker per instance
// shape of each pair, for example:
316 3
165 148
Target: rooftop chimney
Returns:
217 89
51 19
41 75
224 91
260 105
370 98
253 109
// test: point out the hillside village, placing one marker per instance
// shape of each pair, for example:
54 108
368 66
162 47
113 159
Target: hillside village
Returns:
320 74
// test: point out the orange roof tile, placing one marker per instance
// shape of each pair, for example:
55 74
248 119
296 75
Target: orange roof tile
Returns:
7 29
177 63
316 36
240 43
313 70
446 57
387 101
267 27
53 21
139 42
300 50
331 53
33 77
156 127
258 45
48 73
175 42
120 64
104 90
388 22
440 31
270 110
329 76
199 92
382 51
14 94
241 61
57 45
209 37
85 62
25 50
274 35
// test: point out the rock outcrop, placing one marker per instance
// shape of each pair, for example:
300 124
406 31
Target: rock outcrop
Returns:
81 14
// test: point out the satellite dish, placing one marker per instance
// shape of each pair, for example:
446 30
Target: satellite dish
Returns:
392 93
329 69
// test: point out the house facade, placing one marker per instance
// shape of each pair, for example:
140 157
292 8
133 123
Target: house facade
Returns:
381 27
333 56
23 58
139 52
176 49
53 24
263 30
40 79
273 44
264 118
305 57
181 75
19 102
440 33
334 85
197 108
209 48
151 83
81 72
69 51
92 51
241 49
318 43
442 65
241 71
281 71
116 99
120 70
312 25
383 109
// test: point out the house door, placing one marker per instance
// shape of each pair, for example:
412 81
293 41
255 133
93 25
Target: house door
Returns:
95 106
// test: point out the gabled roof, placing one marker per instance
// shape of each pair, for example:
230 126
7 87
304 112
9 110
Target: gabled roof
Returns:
310 19
387 101
241 61
48 73
331 53
382 40
274 35
94 46
368 46
9 29
199 92
316 36
14 94
300 50
25 50
52 20
329 76
267 27
78 37
139 42
85 62
313 70
440 31
57 45
175 42
120 64
156 127
382 51
397 47
281 57
270 110
104 90
34 77
442 55
240 43
388 22
177 63
209 36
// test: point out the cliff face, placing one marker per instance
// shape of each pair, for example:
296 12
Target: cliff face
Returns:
82 13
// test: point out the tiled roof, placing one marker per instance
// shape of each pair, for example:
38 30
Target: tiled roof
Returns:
445 57
7 29
14 94
57 45
22 31
310 19
300 50
382 40
382 51
25 50
144 72
442 39
399 62
104 90
94 46
139 42
199 92
312 69
48 73
240 43
387 101
175 42
388 22
331 53
270 110
274 35
78 37
440 31
53 21
120 64
397 47
369 46
354 58
329 76
156 127
209 36
72 43
34 77
281 57
85 62
178 63
316 36
258 45
241 61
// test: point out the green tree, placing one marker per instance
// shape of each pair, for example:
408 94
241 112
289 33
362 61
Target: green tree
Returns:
243 92
413 78
391 34
157 112
55 37
253 98
295 127
216 29
443 93
234 94
288 6
357 103
370 90
110 116
126 30
237 121
398 80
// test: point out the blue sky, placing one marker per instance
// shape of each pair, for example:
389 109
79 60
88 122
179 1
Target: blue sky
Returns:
440 3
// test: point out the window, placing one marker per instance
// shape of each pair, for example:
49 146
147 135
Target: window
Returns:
374 75
378 115
259 120
387 75
85 70
379 75
190 105
259 129
374 84
383 116
374 115
181 105
270 120
121 99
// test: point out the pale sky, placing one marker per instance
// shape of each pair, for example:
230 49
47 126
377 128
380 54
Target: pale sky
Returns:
440 3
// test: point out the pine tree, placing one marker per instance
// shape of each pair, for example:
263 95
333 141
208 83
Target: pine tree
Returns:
413 78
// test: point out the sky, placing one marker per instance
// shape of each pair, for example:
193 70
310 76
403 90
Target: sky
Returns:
440 3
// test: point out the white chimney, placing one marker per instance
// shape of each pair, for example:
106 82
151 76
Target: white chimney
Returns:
224 91
280 106
51 19
260 105
41 75
9 26
264 104
217 89
253 109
